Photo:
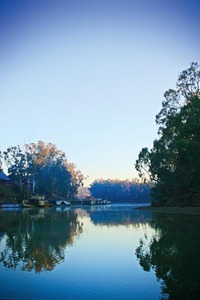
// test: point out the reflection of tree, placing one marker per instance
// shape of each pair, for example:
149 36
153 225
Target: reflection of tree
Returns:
173 253
110 216
36 240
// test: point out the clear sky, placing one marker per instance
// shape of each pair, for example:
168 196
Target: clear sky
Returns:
89 75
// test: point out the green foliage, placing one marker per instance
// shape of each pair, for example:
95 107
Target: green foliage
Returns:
174 161
42 168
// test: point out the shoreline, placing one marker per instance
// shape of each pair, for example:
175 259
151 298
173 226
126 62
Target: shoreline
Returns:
186 210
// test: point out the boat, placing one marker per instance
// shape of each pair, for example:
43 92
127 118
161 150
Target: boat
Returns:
62 203
35 201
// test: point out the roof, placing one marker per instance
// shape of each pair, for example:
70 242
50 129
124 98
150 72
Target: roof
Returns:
4 177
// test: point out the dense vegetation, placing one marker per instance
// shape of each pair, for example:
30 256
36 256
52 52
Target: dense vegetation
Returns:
173 163
121 191
42 168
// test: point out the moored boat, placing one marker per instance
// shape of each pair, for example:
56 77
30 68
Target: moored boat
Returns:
62 203
35 201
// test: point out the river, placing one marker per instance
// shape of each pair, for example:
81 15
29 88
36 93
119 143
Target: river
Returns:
108 252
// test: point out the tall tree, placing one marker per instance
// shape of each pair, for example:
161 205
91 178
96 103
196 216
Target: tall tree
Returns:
43 168
173 162
16 162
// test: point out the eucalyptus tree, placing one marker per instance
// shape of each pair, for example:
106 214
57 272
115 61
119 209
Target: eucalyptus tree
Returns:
51 172
43 168
173 162
16 163
76 178
40 158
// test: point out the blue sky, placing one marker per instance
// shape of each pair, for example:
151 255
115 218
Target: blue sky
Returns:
89 76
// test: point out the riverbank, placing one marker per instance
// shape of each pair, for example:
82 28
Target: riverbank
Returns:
186 210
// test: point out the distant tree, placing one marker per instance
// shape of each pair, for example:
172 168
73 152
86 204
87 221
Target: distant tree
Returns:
174 161
120 191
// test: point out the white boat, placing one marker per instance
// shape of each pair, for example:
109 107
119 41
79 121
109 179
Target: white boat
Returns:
62 203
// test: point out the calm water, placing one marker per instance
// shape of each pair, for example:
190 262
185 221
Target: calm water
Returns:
113 252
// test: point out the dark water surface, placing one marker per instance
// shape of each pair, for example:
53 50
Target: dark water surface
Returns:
113 252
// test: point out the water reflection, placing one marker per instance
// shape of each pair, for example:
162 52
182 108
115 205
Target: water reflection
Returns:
114 243
37 238
117 216
173 252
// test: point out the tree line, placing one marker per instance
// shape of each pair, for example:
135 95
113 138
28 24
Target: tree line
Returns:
121 191
173 163
41 168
